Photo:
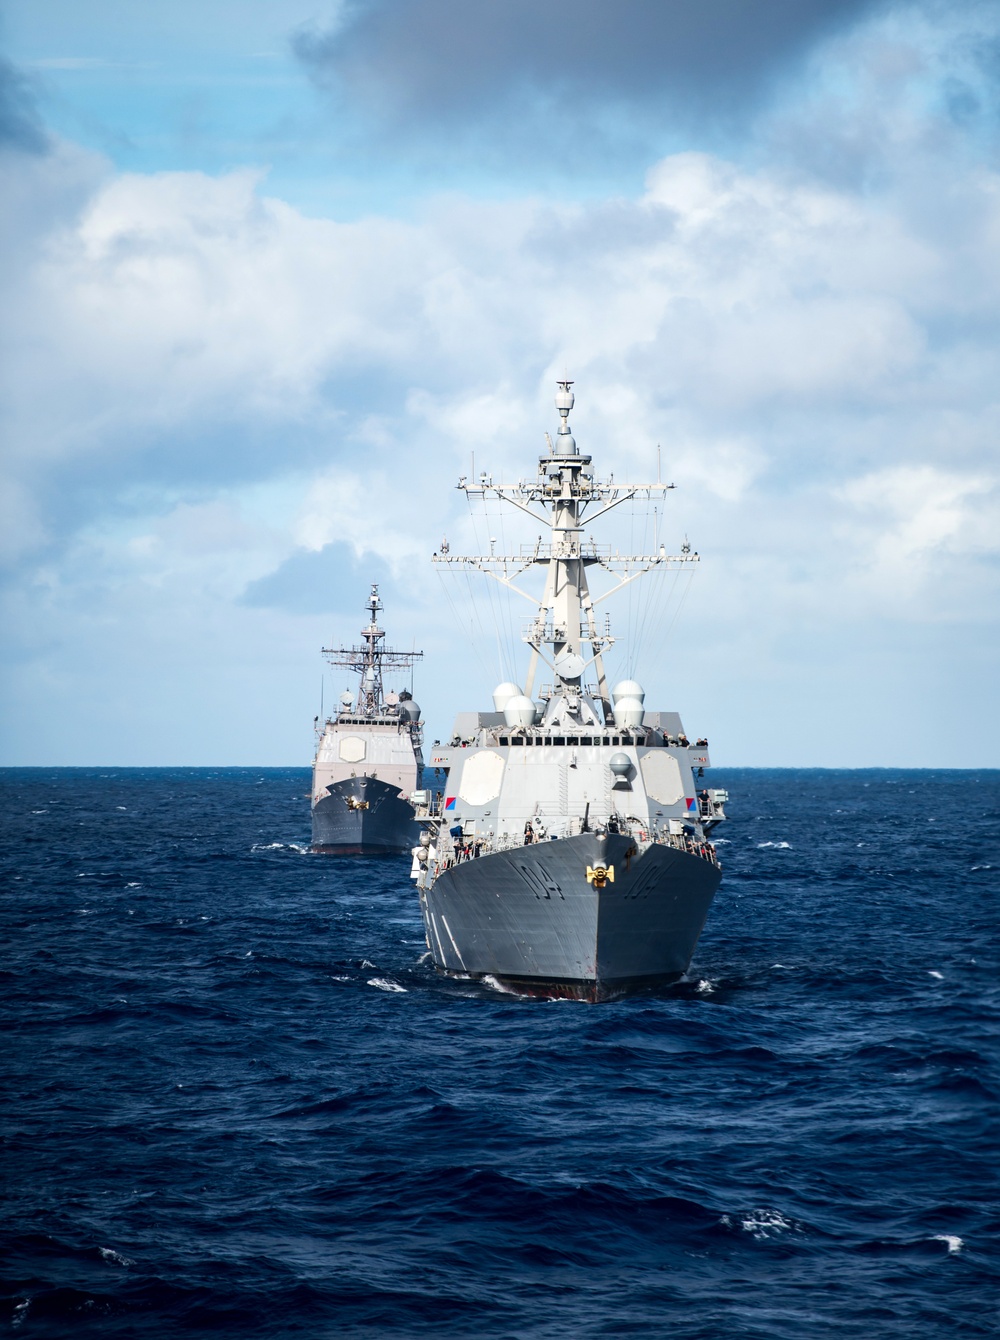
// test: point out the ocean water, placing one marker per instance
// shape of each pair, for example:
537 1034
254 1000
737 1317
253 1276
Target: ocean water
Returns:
238 1102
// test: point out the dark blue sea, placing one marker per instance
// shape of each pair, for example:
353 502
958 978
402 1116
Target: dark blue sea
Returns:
238 1102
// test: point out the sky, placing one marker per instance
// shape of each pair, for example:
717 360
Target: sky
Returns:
275 273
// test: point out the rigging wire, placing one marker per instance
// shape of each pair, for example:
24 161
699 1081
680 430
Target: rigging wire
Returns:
505 621
460 621
489 595
651 604
512 639
652 613
630 622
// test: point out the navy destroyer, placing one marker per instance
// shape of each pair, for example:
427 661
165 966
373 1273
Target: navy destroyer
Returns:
569 854
366 773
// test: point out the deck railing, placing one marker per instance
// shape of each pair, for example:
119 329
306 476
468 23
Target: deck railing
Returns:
452 852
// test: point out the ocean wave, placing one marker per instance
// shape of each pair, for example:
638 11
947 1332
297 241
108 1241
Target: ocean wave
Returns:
952 1241
762 1225
115 1258
275 1148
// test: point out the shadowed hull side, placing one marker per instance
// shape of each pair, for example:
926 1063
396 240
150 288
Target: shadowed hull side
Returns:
362 817
529 918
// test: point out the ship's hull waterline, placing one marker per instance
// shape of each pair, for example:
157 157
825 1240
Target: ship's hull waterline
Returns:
530 919
362 816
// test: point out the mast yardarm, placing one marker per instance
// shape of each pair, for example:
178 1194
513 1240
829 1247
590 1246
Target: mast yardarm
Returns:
371 659
564 494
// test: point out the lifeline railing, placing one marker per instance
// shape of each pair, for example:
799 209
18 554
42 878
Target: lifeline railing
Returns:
470 848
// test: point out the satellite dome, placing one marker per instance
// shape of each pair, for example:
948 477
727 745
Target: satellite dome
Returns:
503 693
620 764
629 688
519 711
628 712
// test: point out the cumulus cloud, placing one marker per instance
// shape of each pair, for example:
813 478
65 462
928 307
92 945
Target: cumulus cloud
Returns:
444 61
226 417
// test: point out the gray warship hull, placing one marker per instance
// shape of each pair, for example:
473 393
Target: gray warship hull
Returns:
362 816
530 918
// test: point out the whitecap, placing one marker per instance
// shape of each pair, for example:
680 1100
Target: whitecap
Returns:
116 1257
933 973
366 964
705 987
774 844
133 885
384 984
955 1244
121 807
20 1311
37 812
764 1224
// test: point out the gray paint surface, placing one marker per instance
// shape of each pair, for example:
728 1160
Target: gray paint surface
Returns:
341 828
530 914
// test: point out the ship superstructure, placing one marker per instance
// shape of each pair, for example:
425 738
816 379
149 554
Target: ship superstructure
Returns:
366 773
570 853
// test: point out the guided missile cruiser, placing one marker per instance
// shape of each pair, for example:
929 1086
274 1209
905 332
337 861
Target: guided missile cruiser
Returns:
366 772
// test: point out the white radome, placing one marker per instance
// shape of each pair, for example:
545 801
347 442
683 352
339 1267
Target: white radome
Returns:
628 713
628 688
502 695
519 711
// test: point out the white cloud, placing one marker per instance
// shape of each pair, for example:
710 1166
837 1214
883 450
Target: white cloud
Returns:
204 381
910 521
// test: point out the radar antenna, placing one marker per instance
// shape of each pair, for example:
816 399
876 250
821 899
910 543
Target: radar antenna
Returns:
370 660
565 625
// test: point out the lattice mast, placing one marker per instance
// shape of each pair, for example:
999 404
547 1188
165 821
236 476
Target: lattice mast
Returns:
370 660
566 621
